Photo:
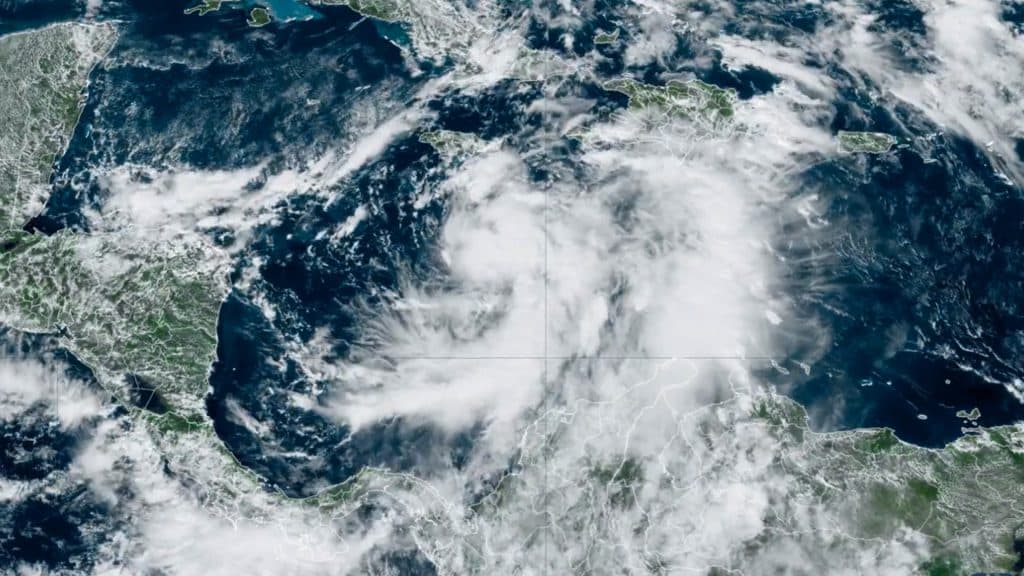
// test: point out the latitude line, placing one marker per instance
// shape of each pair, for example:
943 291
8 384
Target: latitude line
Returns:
593 357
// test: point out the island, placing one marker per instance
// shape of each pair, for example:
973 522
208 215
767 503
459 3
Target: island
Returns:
677 98
606 37
865 142
258 17
451 143
973 415
206 6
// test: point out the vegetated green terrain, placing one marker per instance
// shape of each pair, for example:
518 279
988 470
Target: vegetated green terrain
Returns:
45 73
966 500
677 98
258 17
606 37
450 144
205 7
123 306
865 142
386 10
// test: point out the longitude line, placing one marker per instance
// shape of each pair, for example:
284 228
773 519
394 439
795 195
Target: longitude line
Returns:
544 371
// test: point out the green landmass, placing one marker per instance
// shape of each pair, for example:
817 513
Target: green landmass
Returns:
121 304
830 499
966 499
619 480
678 98
435 30
386 10
258 17
206 6
865 142
973 415
878 441
452 144
45 73
606 37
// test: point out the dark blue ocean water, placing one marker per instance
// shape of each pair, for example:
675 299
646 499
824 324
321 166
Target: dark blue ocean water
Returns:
317 283
167 97
56 524
924 300
18 15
